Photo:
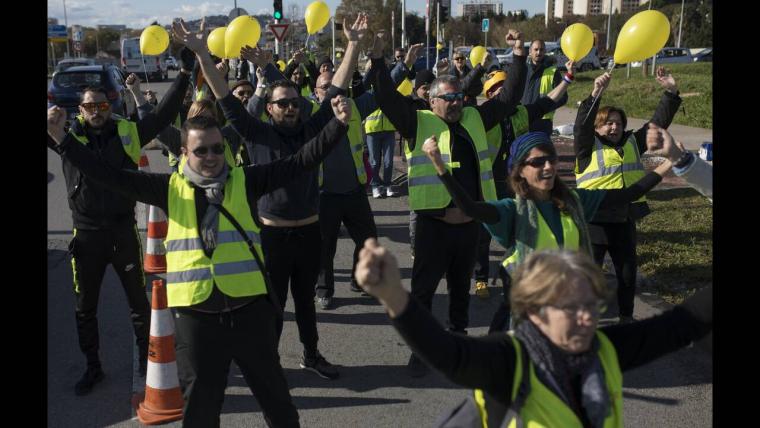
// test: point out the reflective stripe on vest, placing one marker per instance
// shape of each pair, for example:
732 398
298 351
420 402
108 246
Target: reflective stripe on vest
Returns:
547 84
128 135
426 191
547 241
377 122
190 273
356 143
542 407
607 170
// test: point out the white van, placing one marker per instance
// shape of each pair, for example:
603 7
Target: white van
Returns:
145 66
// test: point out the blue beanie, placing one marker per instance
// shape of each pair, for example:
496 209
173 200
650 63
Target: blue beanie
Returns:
522 145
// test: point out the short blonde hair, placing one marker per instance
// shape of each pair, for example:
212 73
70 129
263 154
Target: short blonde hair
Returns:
541 278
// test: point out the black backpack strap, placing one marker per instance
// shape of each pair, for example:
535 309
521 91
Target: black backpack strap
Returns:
522 393
270 291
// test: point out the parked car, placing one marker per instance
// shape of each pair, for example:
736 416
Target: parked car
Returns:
422 64
171 63
132 61
66 87
589 62
704 56
73 62
503 55
669 56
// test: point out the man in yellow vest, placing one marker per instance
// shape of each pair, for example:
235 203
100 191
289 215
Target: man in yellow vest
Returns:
541 78
104 222
444 243
302 72
217 283
609 157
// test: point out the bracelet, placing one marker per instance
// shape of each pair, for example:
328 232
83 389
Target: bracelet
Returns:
570 75
683 160
261 85
566 79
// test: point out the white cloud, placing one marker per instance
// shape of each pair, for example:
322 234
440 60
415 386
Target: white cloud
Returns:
203 9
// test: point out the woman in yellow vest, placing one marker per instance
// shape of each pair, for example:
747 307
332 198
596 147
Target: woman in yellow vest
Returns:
609 157
557 369
545 213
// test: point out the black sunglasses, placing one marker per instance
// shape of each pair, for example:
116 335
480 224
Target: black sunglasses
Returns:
216 149
285 102
541 161
457 96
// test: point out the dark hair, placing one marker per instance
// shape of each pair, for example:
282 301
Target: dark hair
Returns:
197 123
560 193
604 113
539 41
282 83
100 89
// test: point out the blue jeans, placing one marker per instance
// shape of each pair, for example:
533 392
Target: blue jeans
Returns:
381 143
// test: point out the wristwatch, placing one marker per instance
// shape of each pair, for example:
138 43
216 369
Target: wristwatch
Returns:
262 85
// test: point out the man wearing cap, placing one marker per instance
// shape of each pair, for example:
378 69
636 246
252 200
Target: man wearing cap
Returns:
542 76
444 242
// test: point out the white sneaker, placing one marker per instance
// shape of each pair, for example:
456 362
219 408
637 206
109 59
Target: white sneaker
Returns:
377 193
389 193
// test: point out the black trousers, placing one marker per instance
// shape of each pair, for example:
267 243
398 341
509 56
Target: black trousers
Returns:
445 249
501 318
92 251
354 211
483 253
621 244
208 342
291 256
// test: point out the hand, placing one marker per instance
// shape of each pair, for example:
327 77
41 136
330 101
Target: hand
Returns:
299 56
257 56
56 119
413 54
600 83
570 66
260 77
341 108
430 147
150 96
442 67
514 39
133 83
378 274
194 41
666 80
486 59
356 31
223 68
663 143
379 44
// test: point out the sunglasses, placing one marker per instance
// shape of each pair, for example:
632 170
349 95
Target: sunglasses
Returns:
457 96
459 58
216 149
104 106
285 102
541 161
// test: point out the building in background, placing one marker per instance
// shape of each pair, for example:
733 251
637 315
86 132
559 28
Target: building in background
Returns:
480 8
560 8
118 28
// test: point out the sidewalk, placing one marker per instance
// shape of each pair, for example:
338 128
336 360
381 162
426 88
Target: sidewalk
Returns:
690 136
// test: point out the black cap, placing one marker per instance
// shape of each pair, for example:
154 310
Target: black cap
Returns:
424 77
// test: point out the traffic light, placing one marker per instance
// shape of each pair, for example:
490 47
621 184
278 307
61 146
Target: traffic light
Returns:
277 14
444 14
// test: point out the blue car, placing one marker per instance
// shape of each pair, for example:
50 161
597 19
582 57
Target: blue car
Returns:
421 63
66 87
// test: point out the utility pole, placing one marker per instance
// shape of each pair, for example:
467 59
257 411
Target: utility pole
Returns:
393 31
680 26
403 24
66 23
333 39
427 34
437 27
609 25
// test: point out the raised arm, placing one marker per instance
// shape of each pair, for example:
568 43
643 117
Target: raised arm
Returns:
583 130
399 109
503 105
666 109
133 86
353 33
167 110
197 43
696 172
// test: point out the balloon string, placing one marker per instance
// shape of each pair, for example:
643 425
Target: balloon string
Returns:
610 66
145 67
306 43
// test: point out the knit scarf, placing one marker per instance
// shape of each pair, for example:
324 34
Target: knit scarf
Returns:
214 188
557 369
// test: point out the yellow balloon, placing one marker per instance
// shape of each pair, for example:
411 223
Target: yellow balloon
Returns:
405 87
642 36
242 31
215 42
476 55
439 46
316 16
154 40
281 65
576 41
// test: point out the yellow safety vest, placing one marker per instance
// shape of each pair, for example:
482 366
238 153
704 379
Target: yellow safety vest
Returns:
127 130
607 170
547 241
543 409
190 274
377 122
357 145
547 84
426 191
494 136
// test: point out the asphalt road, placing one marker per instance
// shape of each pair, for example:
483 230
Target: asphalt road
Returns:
373 390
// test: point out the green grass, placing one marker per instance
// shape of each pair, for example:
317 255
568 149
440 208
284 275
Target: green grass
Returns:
639 95
675 243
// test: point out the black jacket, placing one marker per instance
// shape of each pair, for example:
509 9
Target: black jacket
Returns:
92 205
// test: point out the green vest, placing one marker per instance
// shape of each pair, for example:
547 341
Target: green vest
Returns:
547 241
305 91
543 409
356 142
130 139
201 92
426 191
607 170
547 84
190 274
494 135
377 122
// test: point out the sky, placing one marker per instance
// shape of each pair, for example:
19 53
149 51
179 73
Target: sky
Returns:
140 13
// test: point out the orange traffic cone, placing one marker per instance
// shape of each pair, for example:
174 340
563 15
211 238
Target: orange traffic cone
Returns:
163 398
155 251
